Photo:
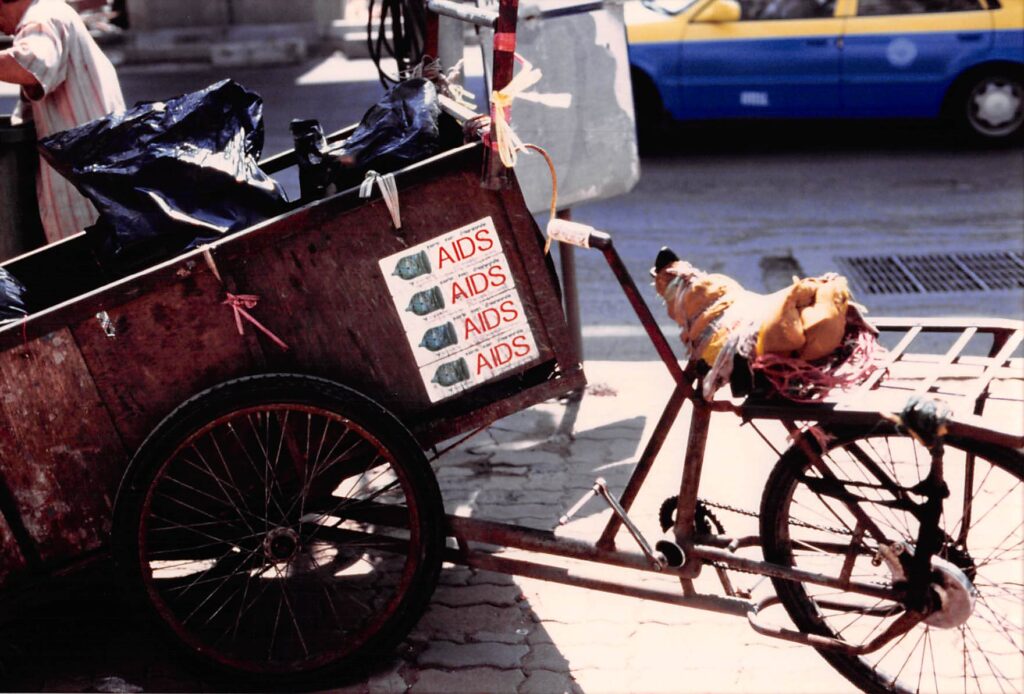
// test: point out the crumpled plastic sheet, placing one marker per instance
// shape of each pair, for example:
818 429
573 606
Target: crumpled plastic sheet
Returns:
165 174
12 298
399 130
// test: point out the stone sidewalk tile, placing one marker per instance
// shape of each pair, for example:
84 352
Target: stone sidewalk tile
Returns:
448 654
519 496
598 655
545 682
583 636
491 578
387 682
545 656
461 623
603 681
470 681
482 594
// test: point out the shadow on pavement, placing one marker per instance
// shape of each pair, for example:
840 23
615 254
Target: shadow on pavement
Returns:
789 136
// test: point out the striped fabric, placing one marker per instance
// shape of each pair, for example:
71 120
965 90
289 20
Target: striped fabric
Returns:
78 85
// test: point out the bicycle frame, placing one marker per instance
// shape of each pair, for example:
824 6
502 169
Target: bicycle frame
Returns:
695 550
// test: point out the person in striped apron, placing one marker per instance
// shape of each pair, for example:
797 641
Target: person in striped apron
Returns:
65 81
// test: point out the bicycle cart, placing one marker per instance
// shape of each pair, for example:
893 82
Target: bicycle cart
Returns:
244 427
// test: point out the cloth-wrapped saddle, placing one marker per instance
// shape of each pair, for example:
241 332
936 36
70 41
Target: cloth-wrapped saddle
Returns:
813 321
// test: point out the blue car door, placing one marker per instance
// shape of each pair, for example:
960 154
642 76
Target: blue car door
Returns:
900 56
780 59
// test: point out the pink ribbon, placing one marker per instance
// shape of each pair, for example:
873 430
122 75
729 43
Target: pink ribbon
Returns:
239 303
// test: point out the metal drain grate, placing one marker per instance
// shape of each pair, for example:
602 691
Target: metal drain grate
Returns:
926 274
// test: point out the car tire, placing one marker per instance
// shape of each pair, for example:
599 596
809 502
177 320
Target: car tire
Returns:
989 107
649 112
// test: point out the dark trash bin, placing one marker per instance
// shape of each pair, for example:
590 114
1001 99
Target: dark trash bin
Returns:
20 228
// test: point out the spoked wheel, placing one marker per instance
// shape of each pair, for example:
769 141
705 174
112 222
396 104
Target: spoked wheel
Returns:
975 643
283 527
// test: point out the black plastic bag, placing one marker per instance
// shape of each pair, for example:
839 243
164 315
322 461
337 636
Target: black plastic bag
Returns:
12 298
400 129
164 174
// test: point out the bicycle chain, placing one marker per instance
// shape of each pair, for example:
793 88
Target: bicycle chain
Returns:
708 505
755 514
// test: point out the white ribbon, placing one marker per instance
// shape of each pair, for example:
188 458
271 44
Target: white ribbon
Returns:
458 92
388 191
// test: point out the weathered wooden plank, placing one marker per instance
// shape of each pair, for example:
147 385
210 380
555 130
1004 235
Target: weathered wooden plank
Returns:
168 345
12 562
61 458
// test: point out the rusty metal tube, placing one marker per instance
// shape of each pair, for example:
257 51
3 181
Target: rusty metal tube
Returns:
464 13
763 568
543 572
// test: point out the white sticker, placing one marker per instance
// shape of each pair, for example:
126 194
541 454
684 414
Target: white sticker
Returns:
901 52
460 309
754 99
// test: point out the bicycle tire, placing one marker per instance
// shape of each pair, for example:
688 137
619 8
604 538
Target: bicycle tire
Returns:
983 654
266 561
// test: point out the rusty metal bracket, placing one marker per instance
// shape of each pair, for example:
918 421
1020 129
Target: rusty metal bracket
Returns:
901 625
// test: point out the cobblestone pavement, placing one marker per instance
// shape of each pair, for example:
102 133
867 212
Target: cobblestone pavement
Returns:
487 632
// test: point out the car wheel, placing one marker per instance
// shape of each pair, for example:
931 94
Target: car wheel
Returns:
993 107
649 113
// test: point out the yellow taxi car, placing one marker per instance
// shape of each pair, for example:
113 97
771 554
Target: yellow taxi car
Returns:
711 59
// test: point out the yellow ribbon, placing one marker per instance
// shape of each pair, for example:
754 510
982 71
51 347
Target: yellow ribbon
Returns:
507 142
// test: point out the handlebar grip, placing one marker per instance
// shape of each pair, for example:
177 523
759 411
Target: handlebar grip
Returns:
576 234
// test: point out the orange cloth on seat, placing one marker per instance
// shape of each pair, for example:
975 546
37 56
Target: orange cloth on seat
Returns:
807 320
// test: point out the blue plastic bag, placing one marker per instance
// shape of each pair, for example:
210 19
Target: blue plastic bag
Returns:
12 298
164 174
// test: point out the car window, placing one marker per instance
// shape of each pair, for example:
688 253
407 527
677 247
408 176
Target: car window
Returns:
786 9
875 8
667 7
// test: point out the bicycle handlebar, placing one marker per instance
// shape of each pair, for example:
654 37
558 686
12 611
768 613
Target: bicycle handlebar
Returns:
577 234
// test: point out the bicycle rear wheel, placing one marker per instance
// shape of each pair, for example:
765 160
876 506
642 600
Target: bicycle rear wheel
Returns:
806 522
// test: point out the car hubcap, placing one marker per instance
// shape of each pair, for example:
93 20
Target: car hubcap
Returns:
996 107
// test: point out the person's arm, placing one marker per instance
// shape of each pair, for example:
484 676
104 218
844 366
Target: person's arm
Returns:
12 71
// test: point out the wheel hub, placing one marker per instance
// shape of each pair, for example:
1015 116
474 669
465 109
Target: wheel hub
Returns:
281 544
956 596
954 591
997 104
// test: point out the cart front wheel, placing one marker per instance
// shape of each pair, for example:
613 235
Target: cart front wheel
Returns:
282 527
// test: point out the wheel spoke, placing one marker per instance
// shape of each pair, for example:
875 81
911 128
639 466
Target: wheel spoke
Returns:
220 485
269 476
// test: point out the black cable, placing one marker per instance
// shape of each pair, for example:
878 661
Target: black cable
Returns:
407 21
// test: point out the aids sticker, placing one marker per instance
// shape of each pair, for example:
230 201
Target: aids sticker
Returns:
460 309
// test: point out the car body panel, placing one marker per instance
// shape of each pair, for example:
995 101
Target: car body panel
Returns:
902 65
730 70
847 64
